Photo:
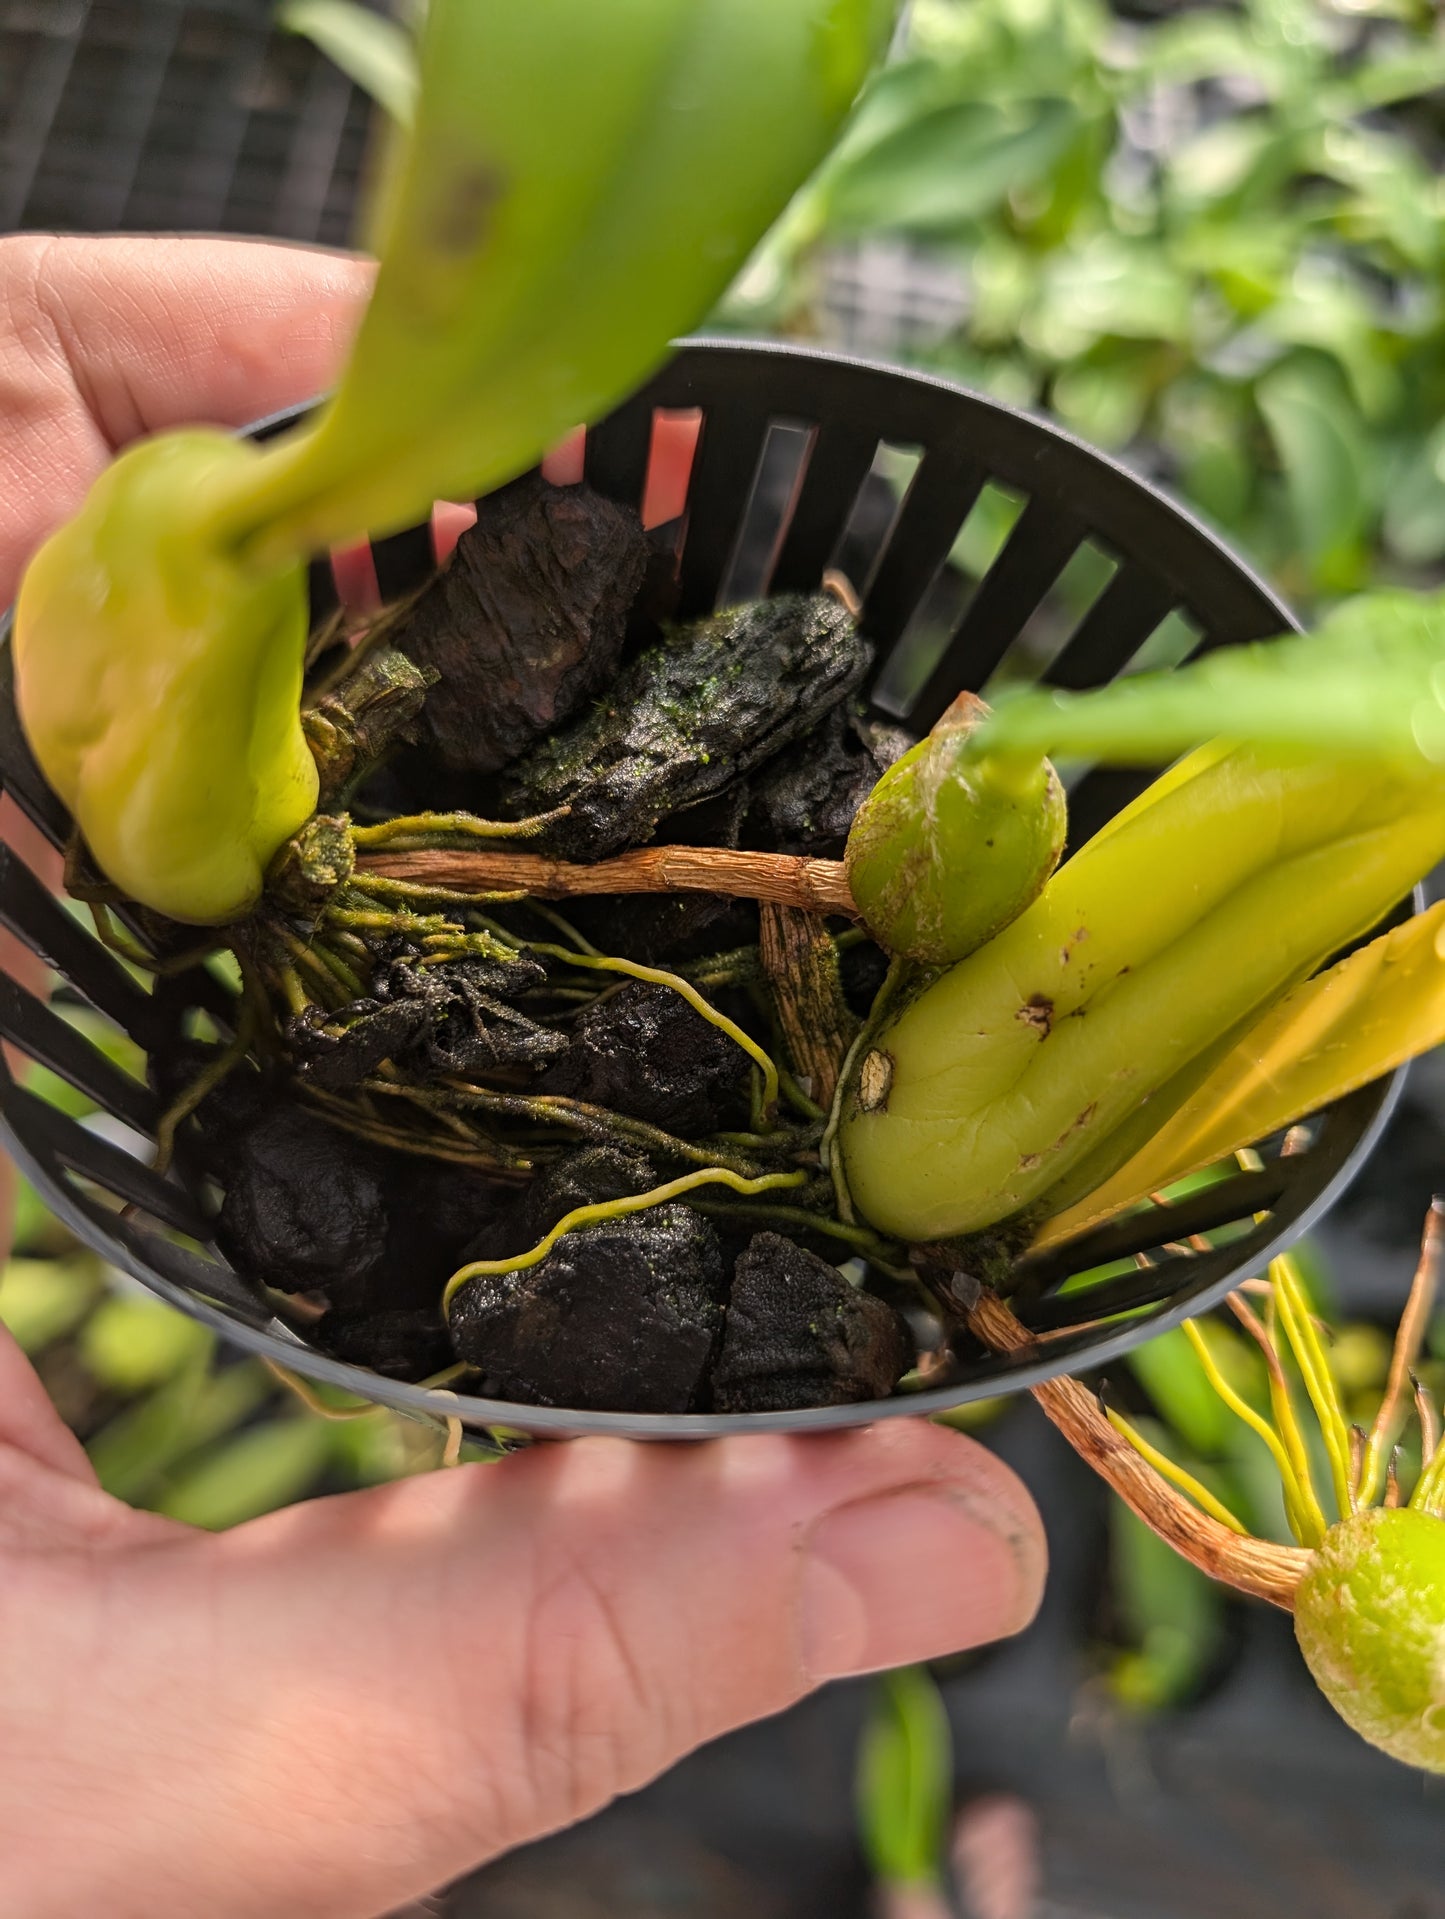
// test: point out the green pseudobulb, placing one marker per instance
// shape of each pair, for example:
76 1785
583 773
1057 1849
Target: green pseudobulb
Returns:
159 682
950 845
1370 1620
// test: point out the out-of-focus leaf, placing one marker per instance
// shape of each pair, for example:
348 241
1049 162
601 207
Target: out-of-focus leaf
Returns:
258 1471
1324 454
1248 260
1396 198
35 1229
374 51
1111 287
43 1299
1170 1372
1208 45
1173 1614
1004 281
936 173
1220 162
981 538
1103 403
1415 505
1322 309
131 1343
1384 81
132 1452
905 1779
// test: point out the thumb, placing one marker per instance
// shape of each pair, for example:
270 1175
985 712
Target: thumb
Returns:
401 1683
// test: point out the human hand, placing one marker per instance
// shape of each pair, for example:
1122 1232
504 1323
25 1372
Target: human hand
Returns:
331 1710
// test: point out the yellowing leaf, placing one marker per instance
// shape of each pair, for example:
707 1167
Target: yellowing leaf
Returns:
1361 1019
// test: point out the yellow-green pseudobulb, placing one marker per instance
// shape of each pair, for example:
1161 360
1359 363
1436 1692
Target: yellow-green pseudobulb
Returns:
1370 1620
162 700
951 845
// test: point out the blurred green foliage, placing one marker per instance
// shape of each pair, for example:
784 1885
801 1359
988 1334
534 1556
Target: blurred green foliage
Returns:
1214 240
905 1779
173 1420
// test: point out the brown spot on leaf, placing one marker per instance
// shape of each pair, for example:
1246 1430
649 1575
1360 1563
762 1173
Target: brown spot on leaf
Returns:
1038 1012
463 207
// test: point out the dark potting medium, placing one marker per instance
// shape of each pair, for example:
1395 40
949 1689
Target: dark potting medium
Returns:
792 476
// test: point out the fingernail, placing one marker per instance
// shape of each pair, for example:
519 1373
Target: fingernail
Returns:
913 1575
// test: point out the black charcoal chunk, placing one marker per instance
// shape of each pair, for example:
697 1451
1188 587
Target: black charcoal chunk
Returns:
623 1316
305 1206
804 801
528 621
647 1054
799 1335
580 1178
435 1211
687 719
408 1344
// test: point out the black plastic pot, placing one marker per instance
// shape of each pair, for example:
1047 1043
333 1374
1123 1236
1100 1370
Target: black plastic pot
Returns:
783 486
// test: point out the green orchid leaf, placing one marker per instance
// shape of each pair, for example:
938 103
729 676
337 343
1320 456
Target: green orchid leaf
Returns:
1324 454
905 1779
937 172
1173 1614
1370 681
1415 506
259 1471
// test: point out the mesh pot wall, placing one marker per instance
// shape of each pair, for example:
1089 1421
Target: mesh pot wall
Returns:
127 115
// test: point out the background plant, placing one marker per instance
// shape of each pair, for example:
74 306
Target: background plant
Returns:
1214 241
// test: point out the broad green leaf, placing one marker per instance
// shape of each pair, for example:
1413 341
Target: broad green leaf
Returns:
131 1343
1207 426
43 1299
1103 403
370 49
1324 310
1385 81
1004 278
936 173
1208 45
1415 505
1219 162
1323 453
260 1470
1170 1610
905 1779
1169 1369
1249 260
1111 287
132 1453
